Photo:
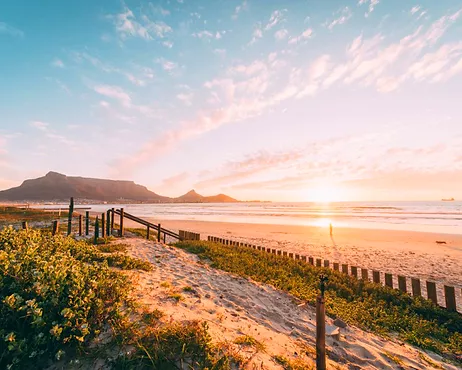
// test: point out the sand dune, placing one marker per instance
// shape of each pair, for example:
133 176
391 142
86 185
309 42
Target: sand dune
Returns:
234 306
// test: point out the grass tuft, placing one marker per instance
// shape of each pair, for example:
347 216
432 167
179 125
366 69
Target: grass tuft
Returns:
247 340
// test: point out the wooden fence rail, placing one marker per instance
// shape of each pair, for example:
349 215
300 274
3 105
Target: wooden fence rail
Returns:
448 292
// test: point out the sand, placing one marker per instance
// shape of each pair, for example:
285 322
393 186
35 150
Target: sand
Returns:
234 306
411 254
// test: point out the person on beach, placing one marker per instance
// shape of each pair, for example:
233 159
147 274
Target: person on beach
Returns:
330 229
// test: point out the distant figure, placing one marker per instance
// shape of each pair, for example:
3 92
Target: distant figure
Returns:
330 229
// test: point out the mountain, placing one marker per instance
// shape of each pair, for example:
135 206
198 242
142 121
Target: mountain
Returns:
193 197
58 187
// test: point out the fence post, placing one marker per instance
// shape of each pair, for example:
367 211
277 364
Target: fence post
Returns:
416 290
326 263
311 261
148 229
158 233
95 240
55 227
112 218
431 292
25 226
376 277
80 225
87 223
345 269
108 223
364 274
103 225
318 262
354 271
121 230
402 283
164 237
450 297
321 328
389 280
336 266
69 218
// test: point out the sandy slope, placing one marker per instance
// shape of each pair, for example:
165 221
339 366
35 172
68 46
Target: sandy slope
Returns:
234 306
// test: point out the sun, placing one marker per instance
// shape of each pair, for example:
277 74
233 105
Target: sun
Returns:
324 194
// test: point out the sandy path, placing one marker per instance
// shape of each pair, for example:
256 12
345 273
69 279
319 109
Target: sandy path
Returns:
235 306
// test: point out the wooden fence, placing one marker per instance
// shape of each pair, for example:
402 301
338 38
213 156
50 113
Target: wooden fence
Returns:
413 286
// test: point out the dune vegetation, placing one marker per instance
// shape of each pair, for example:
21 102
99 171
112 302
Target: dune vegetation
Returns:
370 306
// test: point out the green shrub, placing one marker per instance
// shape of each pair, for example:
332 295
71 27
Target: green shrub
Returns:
367 305
53 300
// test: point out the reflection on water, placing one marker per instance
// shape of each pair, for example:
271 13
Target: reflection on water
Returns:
445 217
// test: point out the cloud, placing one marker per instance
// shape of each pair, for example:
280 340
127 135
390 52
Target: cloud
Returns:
186 98
127 26
175 180
114 92
6 29
220 52
281 34
57 63
207 35
276 17
344 15
415 9
257 34
303 36
39 125
239 9
168 44
372 5
167 65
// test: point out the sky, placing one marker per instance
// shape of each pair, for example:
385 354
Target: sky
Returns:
259 99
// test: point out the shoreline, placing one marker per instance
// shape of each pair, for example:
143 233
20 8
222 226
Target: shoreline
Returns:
406 253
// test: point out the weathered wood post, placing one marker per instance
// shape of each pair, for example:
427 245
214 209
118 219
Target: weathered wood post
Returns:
326 263
148 229
450 297
164 237
103 225
87 223
318 262
364 274
108 223
158 233
25 226
55 227
69 218
345 268
112 219
376 276
336 266
95 240
321 327
402 283
121 222
80 225
389 280
354 271
431 292
416 289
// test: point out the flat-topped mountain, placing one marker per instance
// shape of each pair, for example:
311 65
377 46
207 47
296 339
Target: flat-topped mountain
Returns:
55 187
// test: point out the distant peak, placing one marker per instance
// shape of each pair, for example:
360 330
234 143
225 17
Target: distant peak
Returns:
191 192
54 174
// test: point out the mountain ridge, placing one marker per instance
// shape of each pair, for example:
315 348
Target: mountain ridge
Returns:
55 186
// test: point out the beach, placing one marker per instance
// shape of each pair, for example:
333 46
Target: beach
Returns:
406 253
236 307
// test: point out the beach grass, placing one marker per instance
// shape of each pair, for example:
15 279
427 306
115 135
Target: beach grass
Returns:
59 295
372 307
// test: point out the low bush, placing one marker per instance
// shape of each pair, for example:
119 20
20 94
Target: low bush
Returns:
53 300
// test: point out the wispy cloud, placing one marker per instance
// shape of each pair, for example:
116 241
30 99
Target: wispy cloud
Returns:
371 5
342 16
114 92
207 35
276 17
167 65
415 9
57 63
281 34
127 25
303 36
39 125
239 9
186 98
7 29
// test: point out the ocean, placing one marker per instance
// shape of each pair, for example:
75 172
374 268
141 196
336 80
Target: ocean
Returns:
440 217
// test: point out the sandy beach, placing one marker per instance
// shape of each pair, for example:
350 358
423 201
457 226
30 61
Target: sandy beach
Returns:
411 254
234 307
